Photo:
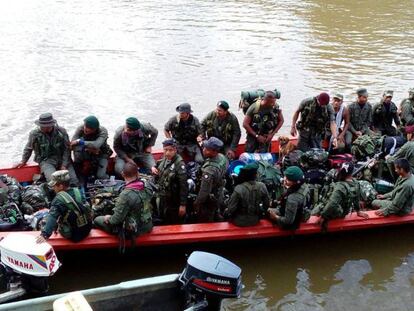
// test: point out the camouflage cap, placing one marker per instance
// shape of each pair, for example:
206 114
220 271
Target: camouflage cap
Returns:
362 92
338 96
58 177
213 143
388 93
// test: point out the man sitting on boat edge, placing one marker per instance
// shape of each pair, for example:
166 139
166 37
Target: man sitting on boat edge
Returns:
69 211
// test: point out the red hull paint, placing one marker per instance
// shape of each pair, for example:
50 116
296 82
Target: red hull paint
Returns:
208 232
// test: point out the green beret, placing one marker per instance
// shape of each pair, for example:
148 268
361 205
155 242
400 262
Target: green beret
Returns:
250 167
294 173
91 122
223 104
133 123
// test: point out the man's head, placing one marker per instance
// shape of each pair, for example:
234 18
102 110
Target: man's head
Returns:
130 171
323 99
46 122
387 96
90 125
362 95
293 176
60 180
409 130
222 109
211 147
170 148
248 172
337 100
411 93
269 99
345 171
184 111
402 167
132 124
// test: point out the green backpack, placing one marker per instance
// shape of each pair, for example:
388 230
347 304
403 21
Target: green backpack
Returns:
364 146
271 177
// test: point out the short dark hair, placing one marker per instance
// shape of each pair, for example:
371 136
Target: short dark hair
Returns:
130 169
66 184
403 164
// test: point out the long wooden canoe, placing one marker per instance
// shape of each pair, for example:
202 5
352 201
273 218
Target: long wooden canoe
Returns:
209 232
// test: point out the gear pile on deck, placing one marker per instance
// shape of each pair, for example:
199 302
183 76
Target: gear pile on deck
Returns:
201 177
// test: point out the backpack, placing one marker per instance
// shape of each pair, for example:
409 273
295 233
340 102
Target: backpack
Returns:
34 198
271 177
314 158
336 160
12 192
368 192
10 216
247 98
364 147
292 159
315 176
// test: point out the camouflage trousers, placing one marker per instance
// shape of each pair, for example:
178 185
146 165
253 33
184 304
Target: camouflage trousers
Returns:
49 166
193 151
143 160
308 139
382 204
252 145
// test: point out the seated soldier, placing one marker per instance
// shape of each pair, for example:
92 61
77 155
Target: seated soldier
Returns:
401 199
89 145
68 211
294 200
345 196
131 207
249 199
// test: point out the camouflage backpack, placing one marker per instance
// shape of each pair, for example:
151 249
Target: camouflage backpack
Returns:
12 192
314 158
10 216
247 98
34 198
292 159
271 177
364 146
368 192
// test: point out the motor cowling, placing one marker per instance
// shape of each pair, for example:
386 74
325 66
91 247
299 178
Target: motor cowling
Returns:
209 277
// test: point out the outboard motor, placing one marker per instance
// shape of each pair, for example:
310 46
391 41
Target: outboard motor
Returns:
25 266
207 279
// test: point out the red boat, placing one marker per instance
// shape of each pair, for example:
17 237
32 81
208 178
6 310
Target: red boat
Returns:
208 232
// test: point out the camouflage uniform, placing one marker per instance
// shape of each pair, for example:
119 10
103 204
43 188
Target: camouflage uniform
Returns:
51 151
134 147
407 108
94 148
210 195
186 133
345 197
407 152
131 207
247 203
263 121
227 130
313 121
399 201
292 206
173 188
382 118
70 212
360 119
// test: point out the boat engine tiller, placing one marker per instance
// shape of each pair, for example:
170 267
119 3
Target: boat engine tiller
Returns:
25 266
207 279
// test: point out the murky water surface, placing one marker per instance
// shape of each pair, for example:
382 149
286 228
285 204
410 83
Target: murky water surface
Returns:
115 59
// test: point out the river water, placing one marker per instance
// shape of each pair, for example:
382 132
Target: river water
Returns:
119 58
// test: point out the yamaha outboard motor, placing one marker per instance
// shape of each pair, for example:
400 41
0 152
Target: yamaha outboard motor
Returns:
207 279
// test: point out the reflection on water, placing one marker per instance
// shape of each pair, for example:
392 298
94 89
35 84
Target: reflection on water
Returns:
117 58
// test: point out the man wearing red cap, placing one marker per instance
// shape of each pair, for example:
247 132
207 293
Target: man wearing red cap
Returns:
315 114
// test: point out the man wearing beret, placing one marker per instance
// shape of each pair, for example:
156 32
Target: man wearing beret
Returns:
262 121
171 178
133 144
89 144
185 129
50 144
360 113
69 212
405 152
224 125
249 200
384 113
407 108
210 194
315 114
293 202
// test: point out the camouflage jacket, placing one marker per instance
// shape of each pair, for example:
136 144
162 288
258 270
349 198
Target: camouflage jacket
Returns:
382 117
360 118
96 142
407 110
402 197
48 146
314 116
227 129
263 120
184 132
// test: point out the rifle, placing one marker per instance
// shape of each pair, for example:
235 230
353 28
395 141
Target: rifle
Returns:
369 163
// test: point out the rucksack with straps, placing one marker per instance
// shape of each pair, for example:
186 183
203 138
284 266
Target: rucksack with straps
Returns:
364 147
292 159
271 177
314 158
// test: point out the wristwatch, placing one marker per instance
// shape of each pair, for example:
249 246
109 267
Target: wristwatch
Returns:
257 135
